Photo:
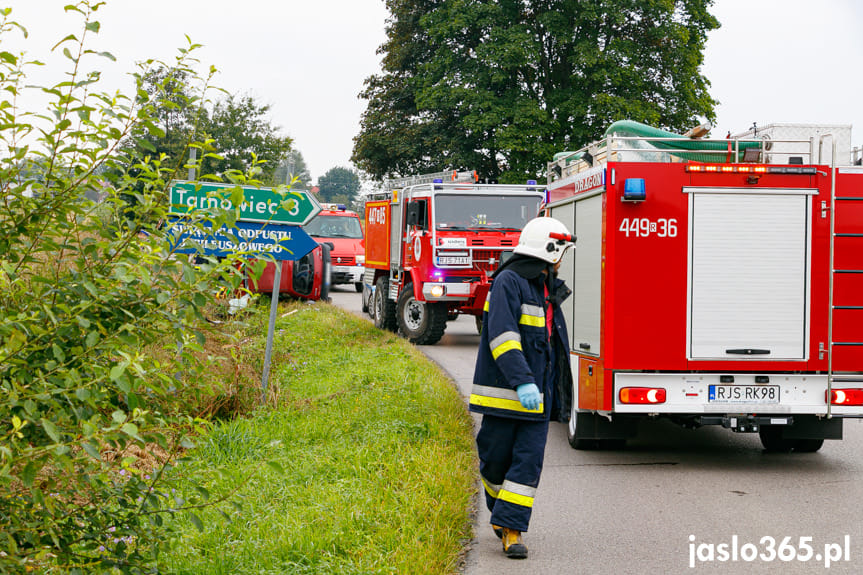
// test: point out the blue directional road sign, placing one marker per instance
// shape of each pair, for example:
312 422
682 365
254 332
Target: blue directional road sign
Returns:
279 241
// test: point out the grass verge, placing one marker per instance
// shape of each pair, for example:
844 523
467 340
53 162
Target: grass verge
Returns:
375 452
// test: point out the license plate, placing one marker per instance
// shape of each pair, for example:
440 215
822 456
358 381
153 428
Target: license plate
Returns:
743 393
454 260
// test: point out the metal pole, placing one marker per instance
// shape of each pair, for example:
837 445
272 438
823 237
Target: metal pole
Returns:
193 155
274 305
832 275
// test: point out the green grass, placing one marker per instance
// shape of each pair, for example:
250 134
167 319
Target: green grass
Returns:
376 450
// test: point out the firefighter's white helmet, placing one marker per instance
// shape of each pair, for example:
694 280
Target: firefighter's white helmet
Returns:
544 238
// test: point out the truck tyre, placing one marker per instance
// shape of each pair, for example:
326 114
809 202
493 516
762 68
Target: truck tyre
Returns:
366 298
807 445
422 323
326 275
772 439
384 307
575 440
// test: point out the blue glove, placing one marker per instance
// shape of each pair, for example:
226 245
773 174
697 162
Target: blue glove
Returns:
528 395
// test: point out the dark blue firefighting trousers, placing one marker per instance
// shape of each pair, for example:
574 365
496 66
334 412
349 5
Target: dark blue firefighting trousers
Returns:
511 453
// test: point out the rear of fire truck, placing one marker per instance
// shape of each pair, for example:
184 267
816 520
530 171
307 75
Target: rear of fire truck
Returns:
715 283
432 243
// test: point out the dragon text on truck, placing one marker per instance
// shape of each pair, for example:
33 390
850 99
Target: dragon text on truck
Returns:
431 244
715 282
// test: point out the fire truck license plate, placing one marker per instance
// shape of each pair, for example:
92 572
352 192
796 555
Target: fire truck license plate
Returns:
453 260
744 393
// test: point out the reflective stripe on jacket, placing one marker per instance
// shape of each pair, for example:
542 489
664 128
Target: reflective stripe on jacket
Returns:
515 348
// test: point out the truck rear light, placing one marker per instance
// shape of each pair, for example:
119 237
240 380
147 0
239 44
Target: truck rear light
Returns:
736 169
644 395
849 396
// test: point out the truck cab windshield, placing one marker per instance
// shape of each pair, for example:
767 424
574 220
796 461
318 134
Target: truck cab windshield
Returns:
472 211
334 227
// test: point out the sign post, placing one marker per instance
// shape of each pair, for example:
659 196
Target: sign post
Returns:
269 222
268 354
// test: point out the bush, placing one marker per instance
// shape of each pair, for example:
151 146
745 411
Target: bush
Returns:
90 286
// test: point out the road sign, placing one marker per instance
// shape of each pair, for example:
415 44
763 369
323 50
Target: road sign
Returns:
262 205
280 242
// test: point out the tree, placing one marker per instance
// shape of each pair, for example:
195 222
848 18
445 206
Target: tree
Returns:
500 86
235 132
339 185
176 114
294 166
240 131
97 315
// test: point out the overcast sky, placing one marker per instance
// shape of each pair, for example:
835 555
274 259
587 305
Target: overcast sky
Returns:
772 60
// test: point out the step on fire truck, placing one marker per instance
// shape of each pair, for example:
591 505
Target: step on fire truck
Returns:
715 282
432 242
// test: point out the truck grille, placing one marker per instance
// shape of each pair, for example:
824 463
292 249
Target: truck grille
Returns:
343 260
486 260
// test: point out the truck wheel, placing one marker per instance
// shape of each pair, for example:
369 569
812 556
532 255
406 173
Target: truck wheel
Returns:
575 440
366 297
421 322
384 307
772 440
807 445
359 287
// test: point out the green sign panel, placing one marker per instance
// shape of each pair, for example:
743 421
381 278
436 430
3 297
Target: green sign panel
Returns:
262 205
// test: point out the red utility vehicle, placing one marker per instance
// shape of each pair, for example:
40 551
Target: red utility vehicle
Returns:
342 229
431 244
715 282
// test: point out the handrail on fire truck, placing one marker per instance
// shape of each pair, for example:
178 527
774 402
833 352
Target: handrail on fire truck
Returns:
615 147
442 181
453 176
448 176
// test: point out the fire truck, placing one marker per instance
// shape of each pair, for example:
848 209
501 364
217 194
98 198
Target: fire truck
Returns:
716 282
341 229
432 242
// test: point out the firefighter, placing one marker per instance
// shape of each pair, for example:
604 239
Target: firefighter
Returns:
522 377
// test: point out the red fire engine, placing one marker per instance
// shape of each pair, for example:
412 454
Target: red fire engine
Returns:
431 244
715 282
341 228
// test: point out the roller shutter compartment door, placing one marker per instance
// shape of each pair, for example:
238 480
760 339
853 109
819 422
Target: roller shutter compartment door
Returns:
749 274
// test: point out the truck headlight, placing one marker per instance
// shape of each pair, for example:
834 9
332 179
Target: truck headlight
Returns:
361 260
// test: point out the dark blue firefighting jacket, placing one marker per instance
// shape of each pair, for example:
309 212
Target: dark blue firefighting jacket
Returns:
515 348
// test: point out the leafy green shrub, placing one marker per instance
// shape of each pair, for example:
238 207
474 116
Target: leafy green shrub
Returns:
90 419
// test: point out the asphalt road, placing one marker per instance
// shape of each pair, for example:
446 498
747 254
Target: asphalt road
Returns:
675 500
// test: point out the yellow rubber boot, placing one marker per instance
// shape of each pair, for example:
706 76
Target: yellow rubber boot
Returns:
498 531
513 545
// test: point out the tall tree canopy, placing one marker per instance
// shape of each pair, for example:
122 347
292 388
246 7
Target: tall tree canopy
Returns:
238 126
338 185
501 85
